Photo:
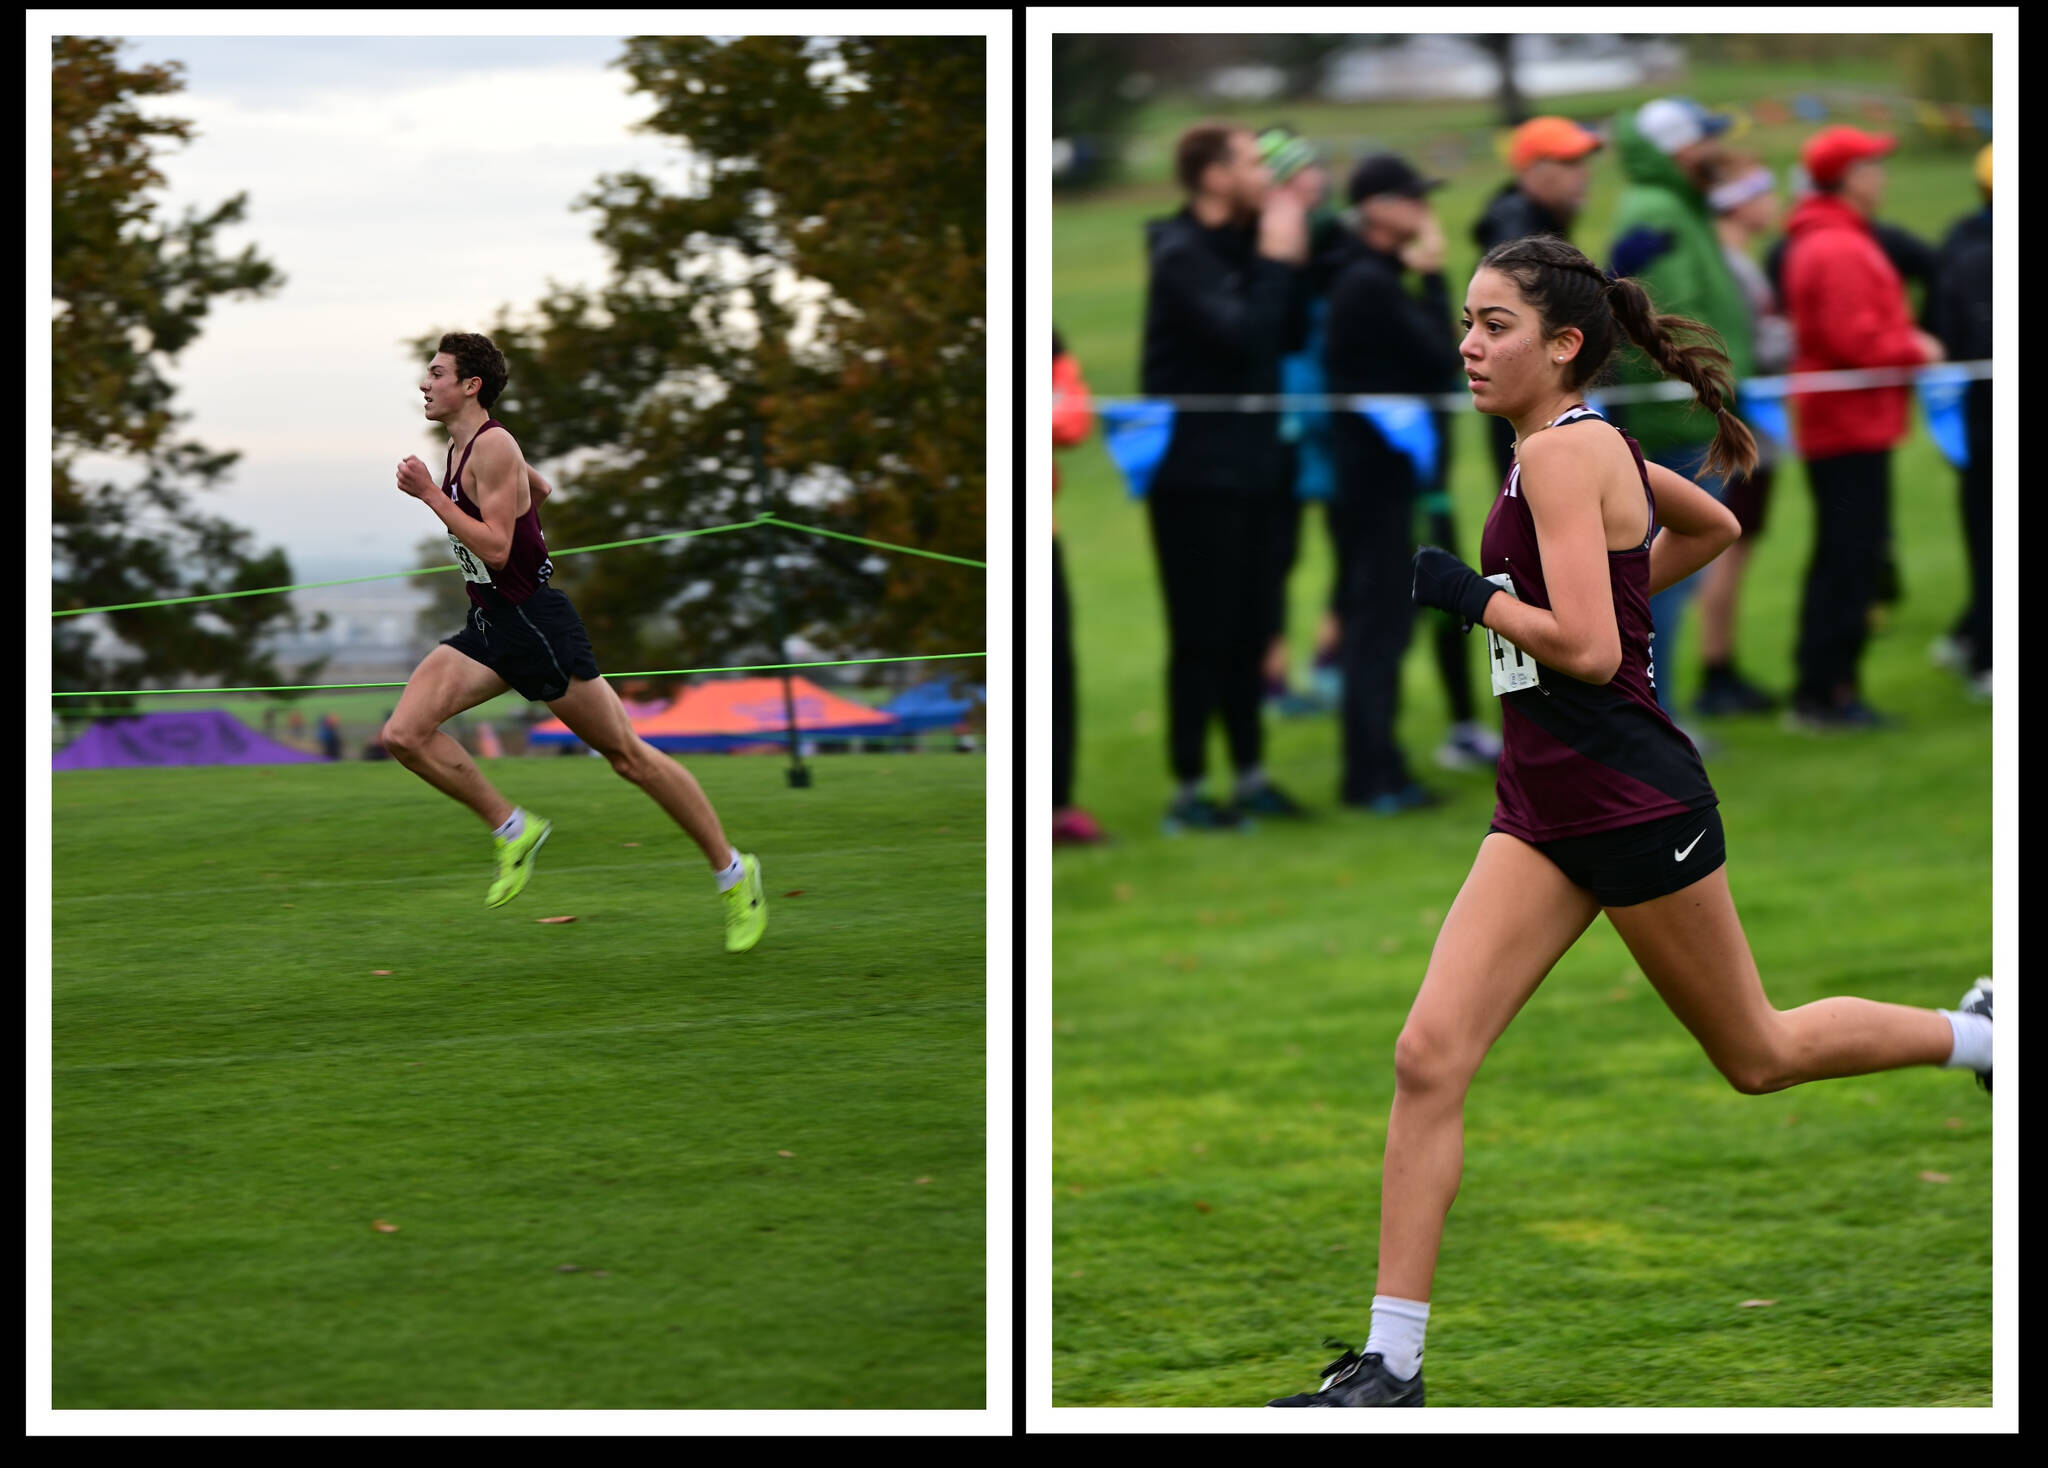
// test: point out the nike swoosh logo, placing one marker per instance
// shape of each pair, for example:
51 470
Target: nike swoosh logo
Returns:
1682 855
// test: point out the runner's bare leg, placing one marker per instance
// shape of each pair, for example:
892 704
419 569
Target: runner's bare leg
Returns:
442 686
592 710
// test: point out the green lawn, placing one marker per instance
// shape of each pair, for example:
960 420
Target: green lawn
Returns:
1225 1010
626 1168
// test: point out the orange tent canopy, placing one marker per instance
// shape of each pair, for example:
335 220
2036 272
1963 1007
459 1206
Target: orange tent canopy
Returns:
707 715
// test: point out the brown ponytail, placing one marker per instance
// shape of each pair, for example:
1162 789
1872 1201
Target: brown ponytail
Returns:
1703 364
1567 289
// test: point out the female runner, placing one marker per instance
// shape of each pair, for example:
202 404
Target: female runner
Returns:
1603 805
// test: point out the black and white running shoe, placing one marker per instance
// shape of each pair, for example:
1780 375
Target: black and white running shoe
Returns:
1978 1001
1353 1380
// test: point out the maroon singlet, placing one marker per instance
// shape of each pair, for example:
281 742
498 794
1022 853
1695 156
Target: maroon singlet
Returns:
525 571
1583 757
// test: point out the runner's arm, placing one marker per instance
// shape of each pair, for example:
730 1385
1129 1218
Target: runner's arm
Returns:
1692 527
538 487
494 466
1578 635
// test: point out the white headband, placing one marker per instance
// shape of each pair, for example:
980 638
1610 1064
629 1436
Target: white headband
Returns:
1740 190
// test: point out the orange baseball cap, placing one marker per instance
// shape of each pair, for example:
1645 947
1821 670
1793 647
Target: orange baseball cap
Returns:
1549 137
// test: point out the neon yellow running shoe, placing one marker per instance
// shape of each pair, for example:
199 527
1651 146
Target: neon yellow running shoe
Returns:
515 861
746 908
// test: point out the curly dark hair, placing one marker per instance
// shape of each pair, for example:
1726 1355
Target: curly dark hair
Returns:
1567 289
476 356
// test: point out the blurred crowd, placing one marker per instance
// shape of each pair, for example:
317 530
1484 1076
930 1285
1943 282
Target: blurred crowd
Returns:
1261 285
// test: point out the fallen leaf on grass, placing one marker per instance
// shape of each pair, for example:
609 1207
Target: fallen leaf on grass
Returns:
629 843
1954 1123
568 1268
798 893
291 904
1752 1304
380 970
555 920
1203 1208
599 1273
923 1180
1934 1177
780 1153
1123 892
384 1228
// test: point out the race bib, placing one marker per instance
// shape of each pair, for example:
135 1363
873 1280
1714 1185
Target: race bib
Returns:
473 569
1513 669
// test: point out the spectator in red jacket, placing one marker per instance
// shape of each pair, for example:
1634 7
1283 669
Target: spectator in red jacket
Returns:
1848 309
1072 417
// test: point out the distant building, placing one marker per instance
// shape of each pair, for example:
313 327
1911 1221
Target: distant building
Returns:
371 634
1440 67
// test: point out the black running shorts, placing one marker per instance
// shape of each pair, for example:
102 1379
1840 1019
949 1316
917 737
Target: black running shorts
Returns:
537 646
1636 863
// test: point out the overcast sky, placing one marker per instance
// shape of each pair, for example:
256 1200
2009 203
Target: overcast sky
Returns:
400 184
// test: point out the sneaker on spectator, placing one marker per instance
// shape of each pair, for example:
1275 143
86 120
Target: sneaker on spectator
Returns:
1813 717
1728 692
1950 651
1075 827
1469 747
1200 813
1412 796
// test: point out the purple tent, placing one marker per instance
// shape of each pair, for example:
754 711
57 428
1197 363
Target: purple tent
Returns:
192 737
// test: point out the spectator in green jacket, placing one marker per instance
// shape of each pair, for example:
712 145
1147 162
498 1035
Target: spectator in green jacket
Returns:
1665 238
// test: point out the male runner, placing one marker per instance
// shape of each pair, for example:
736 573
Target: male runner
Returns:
524 634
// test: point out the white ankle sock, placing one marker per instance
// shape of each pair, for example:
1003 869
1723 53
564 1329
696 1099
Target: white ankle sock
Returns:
730 877
1397 1327
514 827
1973 1041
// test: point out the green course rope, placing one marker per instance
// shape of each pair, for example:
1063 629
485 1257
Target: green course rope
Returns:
882 544
577 550
934 657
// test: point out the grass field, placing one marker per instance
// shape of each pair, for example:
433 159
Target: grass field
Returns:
1225 1009
626 1168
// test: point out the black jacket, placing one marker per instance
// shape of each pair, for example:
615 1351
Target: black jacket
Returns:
1960 312
1381 339
1218 319
1511 215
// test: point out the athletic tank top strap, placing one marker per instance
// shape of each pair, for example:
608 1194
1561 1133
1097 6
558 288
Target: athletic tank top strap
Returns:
1581 411
454 483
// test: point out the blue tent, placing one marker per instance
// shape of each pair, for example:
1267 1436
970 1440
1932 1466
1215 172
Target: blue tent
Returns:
934 705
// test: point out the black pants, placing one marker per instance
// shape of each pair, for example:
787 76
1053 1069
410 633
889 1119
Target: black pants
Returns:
1852 524
1438 527
1372 515
1975 625
1062 687
1283 546
1215 567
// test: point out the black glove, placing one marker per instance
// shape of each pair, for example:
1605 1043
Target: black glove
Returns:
1445 582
